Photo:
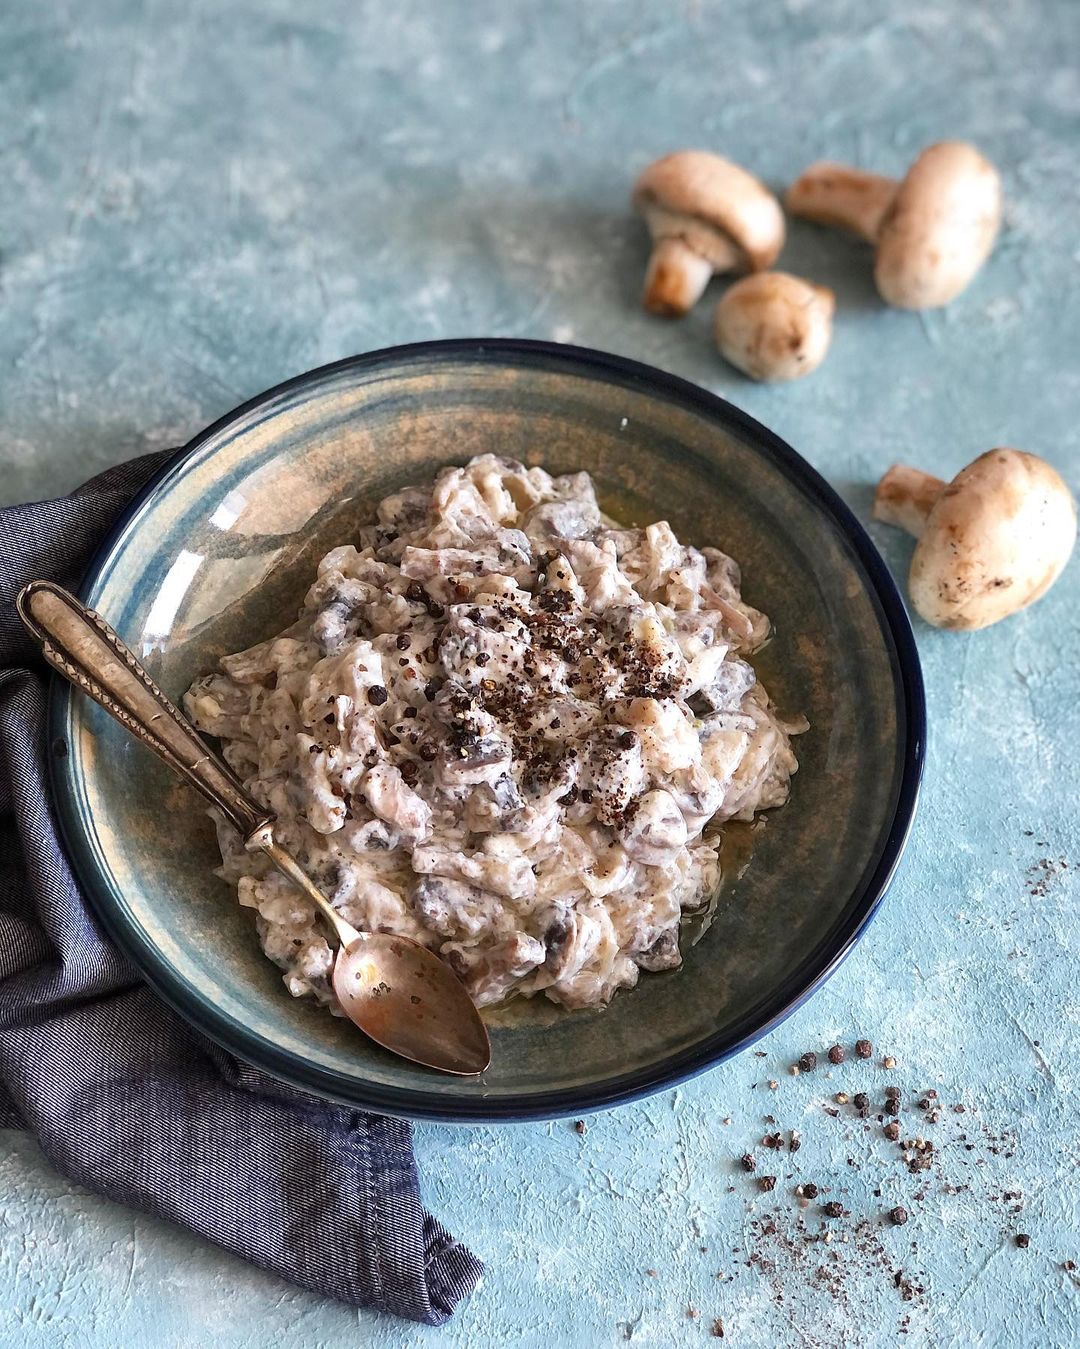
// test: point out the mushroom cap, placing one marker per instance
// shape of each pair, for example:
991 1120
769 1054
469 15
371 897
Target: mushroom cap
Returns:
711 203
940 227
996 539
774 326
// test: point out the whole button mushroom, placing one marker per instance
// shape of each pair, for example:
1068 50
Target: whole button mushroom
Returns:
774 326
706 215
990 543
933 230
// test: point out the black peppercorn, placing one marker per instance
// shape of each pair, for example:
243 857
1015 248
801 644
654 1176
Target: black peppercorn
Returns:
864 1049
767 1183
1023 1240
861 1100
836 1054
747 1161
376 695
808 1062
833 1209
898 1216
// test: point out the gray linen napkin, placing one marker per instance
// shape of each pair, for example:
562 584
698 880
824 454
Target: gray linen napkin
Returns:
122 1096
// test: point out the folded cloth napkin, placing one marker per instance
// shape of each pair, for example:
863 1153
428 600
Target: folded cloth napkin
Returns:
122 1096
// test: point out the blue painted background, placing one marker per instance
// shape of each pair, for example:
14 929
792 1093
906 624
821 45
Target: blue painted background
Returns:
199 200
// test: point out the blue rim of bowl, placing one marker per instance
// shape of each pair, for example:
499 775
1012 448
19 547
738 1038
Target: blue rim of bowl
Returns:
803 981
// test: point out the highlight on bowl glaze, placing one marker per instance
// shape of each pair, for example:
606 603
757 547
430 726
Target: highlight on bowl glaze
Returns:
216 554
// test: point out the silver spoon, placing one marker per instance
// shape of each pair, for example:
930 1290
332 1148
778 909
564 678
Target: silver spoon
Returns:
397 991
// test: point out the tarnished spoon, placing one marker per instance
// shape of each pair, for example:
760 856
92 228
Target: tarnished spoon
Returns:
398 992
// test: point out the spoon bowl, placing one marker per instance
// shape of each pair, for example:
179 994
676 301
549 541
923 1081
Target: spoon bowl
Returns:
408 1000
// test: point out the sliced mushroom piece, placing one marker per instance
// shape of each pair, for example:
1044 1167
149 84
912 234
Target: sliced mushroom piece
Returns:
491 972
990 542
453 908
774 326
472 760
933 230
654 830
570 938
394 801
663 954
706 215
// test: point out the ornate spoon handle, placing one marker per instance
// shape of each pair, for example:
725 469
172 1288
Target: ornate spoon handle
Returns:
81 645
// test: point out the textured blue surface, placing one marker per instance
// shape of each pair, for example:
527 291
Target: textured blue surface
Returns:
201 200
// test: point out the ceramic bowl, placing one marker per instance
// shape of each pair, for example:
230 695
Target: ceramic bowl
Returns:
216 554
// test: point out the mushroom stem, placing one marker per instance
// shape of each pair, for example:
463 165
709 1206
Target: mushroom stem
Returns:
905 497
676 278
833 194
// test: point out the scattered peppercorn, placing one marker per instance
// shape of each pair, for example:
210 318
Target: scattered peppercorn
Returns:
428 752
833 1209
766 1183
888 1061
403 642
836 1054
415 591
892 1093
376 695
892 1131
1023 1240
864 1049
898 1216
580 1127
861 1100
747 1161
627 740
717 1331
924 1104
796 1141
892 1106
809 1190
808 1062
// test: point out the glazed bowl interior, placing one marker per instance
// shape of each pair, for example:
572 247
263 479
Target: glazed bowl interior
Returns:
218 554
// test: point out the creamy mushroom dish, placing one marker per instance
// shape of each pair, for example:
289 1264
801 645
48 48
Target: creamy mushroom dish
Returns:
502 726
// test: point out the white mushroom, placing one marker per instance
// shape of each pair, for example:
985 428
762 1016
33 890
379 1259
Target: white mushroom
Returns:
775 326
706 215
990 542
933 230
